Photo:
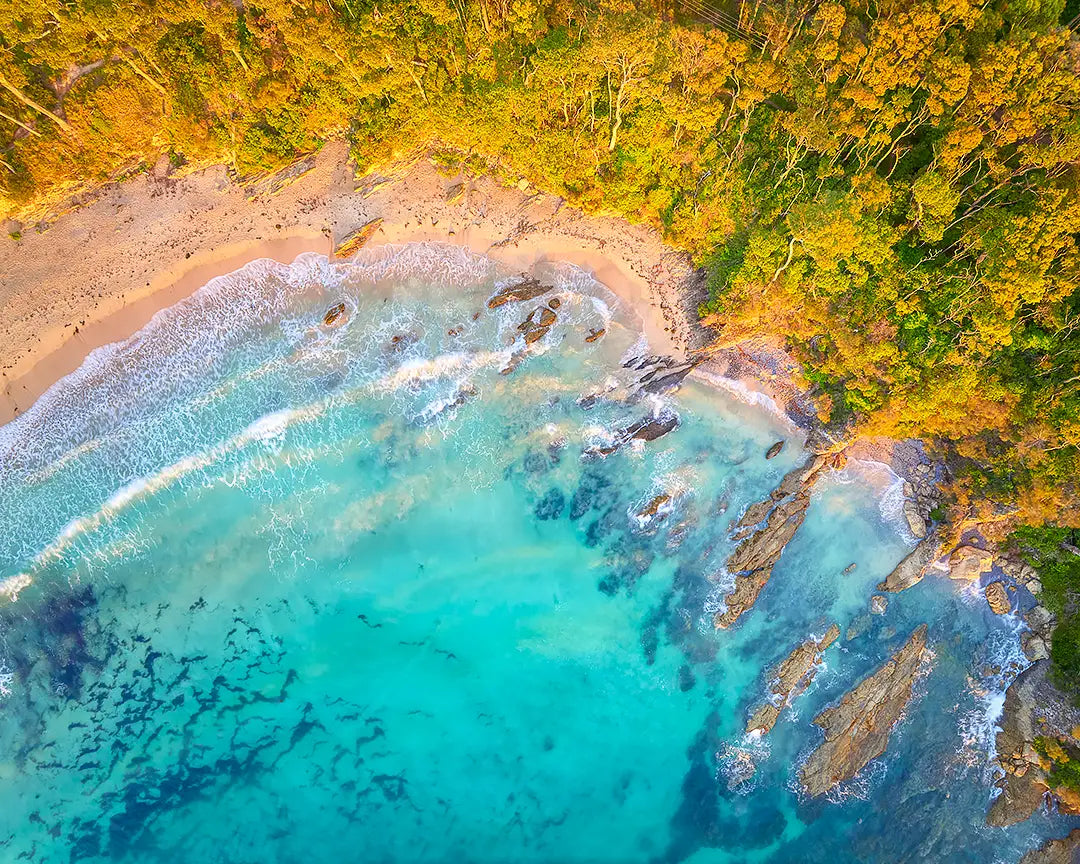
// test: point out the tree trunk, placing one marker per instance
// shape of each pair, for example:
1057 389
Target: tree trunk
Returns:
30 103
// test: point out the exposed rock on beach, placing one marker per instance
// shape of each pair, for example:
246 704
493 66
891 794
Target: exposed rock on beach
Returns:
857 729
526 289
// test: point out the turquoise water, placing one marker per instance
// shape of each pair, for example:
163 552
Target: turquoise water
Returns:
278 592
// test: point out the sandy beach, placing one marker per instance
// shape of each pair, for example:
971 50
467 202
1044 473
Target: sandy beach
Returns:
98 273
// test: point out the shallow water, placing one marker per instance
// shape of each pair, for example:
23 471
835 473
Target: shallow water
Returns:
276 588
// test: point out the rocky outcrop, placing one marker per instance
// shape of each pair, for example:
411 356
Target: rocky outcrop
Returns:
334 315
997 596
858 728
537 324
1064 850
793 676
1039 728
1024 783
915 522
653 507
911 570
519 292
967 563
352 241
753 559
647 429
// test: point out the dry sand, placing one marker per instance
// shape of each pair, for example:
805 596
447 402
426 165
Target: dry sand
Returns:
99 273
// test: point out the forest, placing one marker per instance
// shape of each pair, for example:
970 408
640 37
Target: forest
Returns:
893 185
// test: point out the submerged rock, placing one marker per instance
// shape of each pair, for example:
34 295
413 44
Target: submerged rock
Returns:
998 598
858 728
878 604
1064 850
911 570
793 676
653 507
526 289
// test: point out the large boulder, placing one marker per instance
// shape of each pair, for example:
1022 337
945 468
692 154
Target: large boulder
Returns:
997 596
857 729
968 563
351 242
911 570
915 522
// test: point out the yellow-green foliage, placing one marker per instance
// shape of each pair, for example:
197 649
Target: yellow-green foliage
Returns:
893 187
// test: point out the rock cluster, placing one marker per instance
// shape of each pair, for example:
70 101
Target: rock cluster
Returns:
1033 709
659 374
537 324
1022 573
857 729
793 676
1037 641
752 561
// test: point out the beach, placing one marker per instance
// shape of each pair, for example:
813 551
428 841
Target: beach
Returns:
98 273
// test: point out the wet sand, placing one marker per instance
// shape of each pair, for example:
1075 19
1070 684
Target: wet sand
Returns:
98 274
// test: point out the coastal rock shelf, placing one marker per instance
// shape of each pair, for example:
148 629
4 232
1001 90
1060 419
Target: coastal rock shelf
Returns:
793 676
752 561
857 729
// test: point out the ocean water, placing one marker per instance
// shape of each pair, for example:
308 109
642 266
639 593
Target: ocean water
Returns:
274 592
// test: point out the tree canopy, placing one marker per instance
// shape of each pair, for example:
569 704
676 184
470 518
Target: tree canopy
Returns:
892 186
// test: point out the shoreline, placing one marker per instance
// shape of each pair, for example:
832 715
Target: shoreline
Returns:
167 251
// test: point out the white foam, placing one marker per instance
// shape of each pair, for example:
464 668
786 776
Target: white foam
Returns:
747 395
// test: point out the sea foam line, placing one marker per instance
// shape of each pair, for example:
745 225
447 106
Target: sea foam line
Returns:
265 430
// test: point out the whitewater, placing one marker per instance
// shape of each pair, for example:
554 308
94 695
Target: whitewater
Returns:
276 587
